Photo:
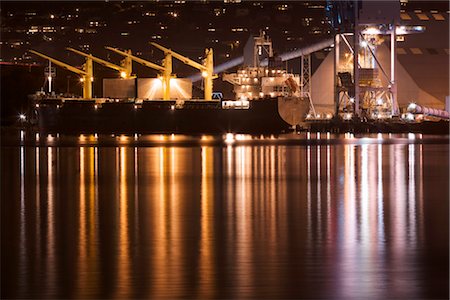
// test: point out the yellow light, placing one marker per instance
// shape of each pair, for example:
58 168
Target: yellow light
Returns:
92 79
205 74
81 79
123 74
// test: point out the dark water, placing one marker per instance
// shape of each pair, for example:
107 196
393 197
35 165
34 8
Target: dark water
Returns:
233 217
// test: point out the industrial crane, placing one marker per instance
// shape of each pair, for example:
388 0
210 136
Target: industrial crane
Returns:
165 69
86 73
207 69
124 69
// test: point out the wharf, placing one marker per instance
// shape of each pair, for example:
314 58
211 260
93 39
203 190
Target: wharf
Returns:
374 126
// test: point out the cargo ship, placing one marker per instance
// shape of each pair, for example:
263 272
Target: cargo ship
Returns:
267 101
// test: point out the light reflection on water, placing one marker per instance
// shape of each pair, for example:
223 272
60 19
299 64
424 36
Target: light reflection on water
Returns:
356 220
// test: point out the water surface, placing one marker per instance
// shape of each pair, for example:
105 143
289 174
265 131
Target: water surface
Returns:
295 216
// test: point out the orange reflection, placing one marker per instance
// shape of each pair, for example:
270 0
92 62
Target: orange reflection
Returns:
87 268
123 247
206 263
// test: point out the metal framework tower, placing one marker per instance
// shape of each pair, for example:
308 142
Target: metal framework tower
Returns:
363 88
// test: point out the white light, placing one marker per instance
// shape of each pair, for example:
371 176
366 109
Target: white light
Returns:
400 30
37 105
123 74
412 106
352 100
95 106
172 107
22 117
204 74
229 138
81 79
364 44
329 116
379 101
371 30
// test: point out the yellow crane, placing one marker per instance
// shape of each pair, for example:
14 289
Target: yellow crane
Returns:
86 73
165 69
207 68
124 69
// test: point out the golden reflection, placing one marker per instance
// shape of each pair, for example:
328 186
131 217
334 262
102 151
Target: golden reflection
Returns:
123 247
87 233
206 264
174 218
38 204
82 241
161 226
168 235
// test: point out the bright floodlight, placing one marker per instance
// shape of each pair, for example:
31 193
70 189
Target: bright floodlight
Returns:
412 106
205 74
22 117
123 74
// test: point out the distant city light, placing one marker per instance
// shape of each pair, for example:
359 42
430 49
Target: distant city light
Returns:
22 117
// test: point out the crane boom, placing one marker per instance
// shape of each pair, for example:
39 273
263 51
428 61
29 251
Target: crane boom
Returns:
60 63
137 59
99 60
180 57
86 74
207 68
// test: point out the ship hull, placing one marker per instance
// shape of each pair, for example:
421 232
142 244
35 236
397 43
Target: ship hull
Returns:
193 117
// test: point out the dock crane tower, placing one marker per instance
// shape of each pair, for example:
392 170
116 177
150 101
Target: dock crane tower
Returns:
124 69
165 69
207 68
86 73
